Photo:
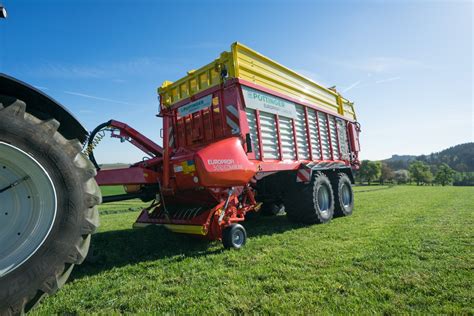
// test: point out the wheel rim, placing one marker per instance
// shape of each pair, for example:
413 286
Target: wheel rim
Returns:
346 195
324 201
238 238
27 210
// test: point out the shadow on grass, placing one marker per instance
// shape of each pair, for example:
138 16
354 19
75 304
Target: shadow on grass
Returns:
374 189
118 248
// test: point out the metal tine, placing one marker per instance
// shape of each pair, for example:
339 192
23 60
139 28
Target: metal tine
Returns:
180 213
196 211
175 213
187 213
191 212
159 212
183 214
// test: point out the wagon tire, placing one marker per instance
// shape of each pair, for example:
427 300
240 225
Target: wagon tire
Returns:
234 236
42 269
343 194
310 203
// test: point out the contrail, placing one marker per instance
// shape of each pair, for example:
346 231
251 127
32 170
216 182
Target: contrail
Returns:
355 84
97 98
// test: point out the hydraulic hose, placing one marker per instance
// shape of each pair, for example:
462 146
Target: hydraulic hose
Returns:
91 144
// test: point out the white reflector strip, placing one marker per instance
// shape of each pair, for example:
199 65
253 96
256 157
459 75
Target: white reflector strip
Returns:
233 119
171 136
233 125
233 110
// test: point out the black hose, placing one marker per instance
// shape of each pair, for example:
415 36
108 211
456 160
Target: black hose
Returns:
91 141
121 197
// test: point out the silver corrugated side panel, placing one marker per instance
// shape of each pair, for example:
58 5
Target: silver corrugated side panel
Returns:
269 136
286 137
343 138
252 121
324 135
314 134
301 133
334 141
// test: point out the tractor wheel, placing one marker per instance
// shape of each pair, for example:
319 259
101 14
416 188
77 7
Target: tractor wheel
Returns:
48 207
344 196
234 236
310 203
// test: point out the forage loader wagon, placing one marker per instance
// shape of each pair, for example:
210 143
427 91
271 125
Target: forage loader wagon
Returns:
241 134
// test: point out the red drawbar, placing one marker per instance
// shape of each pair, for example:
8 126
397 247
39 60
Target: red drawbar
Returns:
134 175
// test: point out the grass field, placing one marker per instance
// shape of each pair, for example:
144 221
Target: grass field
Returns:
119 207
406 249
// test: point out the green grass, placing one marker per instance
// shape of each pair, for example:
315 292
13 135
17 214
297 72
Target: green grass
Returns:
119 207
363 188
406 249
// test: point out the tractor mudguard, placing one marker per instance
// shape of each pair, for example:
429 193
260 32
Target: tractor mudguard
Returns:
43 107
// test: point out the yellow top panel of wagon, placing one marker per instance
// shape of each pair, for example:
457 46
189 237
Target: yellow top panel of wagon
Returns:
245 63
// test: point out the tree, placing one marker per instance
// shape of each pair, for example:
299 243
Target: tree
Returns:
444 175
386 173
363 170
401 176
369 170
464 178
429 178
420 172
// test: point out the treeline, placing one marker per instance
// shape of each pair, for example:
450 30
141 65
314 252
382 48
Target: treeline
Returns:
459 158
417 171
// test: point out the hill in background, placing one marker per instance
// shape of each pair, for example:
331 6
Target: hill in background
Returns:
459 157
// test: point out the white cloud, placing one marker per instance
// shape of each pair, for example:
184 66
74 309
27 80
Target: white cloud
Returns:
388 79
69 71
137 66
388 64
381 65
312 76
88 96
205 45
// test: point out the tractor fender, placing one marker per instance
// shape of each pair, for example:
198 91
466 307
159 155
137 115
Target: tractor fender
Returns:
43 107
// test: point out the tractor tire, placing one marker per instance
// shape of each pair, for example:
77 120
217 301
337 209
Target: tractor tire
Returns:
234 236
344 195
310 203
48 216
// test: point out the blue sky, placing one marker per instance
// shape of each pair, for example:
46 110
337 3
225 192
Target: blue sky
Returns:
407 65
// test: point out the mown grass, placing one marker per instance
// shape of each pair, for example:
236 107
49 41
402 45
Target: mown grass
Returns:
122 206
405 250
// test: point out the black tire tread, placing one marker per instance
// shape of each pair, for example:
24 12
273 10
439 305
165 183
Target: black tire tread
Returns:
299 201
335 182
77 252
227 236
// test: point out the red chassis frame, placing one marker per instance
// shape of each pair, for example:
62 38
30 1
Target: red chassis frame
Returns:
221 206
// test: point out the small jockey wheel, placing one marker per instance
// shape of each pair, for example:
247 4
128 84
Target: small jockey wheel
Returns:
234 236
